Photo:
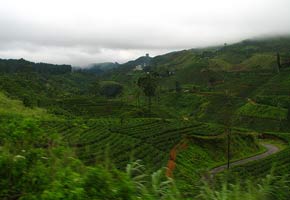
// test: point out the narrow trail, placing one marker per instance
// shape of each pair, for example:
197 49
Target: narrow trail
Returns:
271 149
173 153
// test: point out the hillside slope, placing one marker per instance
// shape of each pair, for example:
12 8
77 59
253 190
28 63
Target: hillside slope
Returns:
16 108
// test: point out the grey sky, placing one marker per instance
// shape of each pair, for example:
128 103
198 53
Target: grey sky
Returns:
80 32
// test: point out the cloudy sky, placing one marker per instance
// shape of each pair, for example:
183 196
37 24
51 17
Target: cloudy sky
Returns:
80 32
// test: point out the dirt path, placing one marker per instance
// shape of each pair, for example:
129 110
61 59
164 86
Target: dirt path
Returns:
173 153
271 149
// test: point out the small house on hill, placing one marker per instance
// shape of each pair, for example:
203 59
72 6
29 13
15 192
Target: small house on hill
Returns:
138 68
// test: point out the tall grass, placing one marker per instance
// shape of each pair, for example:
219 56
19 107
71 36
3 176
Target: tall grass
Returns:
156 186
269 188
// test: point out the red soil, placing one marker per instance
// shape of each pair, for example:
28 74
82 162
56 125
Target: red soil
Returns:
173 153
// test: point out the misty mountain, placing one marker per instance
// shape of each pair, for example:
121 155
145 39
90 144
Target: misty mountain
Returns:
143 61
98 68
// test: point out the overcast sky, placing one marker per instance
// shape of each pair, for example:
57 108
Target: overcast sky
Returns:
80 32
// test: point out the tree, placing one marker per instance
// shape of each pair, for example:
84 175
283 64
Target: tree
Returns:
229 146
111 89
28 100
211 81
278 62
148 84
177 87
228 123
94 88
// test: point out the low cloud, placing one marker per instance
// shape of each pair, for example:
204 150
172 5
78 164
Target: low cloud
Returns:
81 32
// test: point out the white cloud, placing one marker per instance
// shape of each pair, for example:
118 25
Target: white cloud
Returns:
83 31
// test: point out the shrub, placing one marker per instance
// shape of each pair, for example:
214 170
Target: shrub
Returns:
111 89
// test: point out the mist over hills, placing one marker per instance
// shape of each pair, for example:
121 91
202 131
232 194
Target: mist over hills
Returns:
220 56
101 68
229 54
246 55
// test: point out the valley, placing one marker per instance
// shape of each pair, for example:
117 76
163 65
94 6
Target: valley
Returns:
150 133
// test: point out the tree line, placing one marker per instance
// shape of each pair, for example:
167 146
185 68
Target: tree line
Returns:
22 66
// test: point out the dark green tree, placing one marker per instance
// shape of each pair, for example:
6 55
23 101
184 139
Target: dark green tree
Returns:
211 81
177 87
148 84
94 88
278 62
111 89
29 101
227 121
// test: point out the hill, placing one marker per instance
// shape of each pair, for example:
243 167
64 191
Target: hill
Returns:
98 68
254 54
21 65
76 135
10 107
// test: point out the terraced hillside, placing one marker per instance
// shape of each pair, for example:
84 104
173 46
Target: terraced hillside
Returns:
206 152
145 139
277 164
267 108
149 140
92 107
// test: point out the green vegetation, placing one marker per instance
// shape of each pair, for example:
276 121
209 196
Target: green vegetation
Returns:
260 61
110 89
35 165
270 187
204 153
147 134
16 107
263 111
277 164
219 64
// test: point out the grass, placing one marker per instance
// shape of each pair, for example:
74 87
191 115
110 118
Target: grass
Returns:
263 111
277 85
182 104
266 188
16 107
219 64
273 100
260 61
277 142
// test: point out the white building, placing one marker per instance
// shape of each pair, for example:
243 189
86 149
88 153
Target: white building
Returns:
138 68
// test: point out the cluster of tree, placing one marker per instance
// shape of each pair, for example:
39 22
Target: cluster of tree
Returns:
21 65
43 90
109 89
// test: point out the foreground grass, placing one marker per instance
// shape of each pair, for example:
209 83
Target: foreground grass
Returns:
268 188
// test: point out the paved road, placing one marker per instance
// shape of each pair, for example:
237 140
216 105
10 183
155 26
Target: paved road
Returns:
271 149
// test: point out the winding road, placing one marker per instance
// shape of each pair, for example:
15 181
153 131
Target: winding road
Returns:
271 149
